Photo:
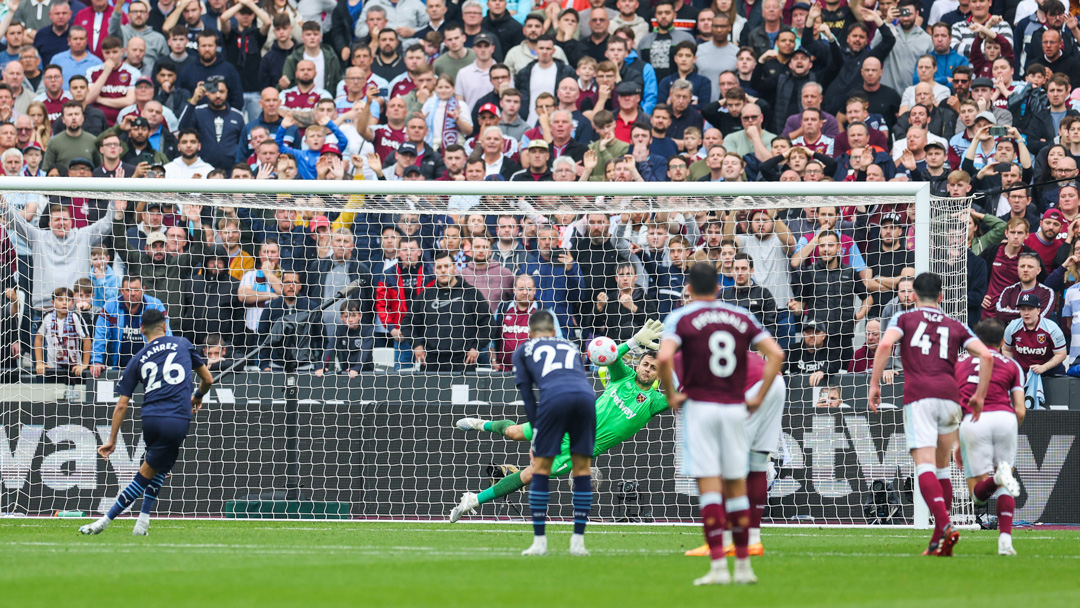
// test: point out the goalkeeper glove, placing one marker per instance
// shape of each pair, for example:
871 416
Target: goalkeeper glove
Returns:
648 335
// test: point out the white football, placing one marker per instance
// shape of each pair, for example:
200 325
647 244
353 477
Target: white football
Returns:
602 351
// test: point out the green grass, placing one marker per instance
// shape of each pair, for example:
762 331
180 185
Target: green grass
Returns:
307 564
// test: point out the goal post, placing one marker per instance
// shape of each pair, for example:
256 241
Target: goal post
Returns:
278 440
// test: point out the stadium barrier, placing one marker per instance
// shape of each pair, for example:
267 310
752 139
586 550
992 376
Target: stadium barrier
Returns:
337 448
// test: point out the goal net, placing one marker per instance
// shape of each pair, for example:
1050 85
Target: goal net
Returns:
345 347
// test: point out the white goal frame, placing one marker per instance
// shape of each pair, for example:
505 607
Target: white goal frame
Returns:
698 194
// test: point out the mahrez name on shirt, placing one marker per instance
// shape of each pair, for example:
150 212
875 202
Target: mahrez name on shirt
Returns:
157 349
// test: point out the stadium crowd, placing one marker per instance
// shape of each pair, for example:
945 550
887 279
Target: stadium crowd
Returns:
976 97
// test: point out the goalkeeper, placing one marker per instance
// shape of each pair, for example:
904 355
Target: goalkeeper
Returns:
627 404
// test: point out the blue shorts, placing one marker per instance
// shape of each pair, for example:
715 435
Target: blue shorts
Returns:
163 438
572 415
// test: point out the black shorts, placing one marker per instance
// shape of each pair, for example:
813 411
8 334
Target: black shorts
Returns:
163 438
573 415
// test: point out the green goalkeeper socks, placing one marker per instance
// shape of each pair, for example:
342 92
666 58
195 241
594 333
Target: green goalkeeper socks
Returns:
498 426
506 485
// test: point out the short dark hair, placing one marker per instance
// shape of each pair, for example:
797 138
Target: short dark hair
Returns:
745 256
441 254
184 132
703 279
311 26
927 286
542 320
152 318
990 331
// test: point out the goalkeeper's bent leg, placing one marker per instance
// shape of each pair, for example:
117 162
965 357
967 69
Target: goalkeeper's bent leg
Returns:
505 486
499 426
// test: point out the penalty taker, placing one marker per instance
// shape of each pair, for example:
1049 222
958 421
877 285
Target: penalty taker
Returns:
628 403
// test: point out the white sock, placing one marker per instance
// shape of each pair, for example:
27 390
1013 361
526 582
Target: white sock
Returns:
755 536
727 538
1005 537
144 518
578 538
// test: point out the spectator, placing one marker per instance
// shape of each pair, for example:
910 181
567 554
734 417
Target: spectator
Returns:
829 397
62 345
210 63
163 276
1035 342
912 43
286 321
327 73
138 15
813 356
53 39
110 148
77 60
116 335
828 290
339 272
349 349
73 142
219 125
104 278
1002 261
1028 268
59 253
447 338
863 362
559 279
511 322
619 313
494 282
212 299
745 292
855 55
903 301
188 165
259 287
216 353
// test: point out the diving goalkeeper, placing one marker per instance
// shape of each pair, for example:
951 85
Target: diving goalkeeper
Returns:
627 404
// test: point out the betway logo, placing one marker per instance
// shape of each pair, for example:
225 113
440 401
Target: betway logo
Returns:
1031 350
75 444
622 406
823 443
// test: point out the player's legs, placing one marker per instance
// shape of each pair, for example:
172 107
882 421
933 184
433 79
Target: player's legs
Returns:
583 499
942 459
735 467
763 435
507 428
163 438
539 495
921 430
701 460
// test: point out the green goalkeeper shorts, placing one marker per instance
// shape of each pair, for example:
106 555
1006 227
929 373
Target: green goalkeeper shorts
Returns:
561 465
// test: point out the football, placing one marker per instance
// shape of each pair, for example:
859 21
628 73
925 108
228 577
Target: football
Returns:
602 351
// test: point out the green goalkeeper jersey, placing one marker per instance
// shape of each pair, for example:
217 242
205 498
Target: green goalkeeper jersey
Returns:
622 409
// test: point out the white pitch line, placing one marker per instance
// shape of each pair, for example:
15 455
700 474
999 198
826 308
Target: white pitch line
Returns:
381 551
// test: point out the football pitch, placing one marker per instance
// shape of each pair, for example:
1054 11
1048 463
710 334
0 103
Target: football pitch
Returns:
44 562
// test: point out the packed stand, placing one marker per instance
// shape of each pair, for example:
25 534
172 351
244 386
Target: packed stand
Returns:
975 97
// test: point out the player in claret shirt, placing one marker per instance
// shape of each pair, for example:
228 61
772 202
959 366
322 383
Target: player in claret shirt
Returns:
929 342
987 446
1037 343
715 338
